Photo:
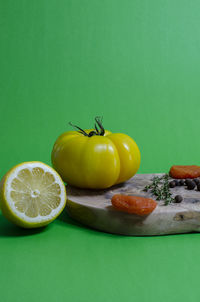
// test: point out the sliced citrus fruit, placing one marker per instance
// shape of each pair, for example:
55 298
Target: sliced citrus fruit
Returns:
32 194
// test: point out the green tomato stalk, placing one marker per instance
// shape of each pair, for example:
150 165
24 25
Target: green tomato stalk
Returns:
99 129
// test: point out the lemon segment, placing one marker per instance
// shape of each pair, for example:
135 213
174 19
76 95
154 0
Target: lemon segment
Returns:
32 194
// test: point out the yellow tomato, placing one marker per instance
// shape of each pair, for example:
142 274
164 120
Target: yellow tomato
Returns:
95 159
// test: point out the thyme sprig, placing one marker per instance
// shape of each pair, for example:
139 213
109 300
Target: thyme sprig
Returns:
160 188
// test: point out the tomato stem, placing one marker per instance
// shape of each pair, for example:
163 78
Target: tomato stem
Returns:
98 121
98 124
80 130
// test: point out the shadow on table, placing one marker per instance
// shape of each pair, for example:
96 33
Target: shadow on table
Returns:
7 229
69 222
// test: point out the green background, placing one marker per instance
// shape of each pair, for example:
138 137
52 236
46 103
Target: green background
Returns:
136 63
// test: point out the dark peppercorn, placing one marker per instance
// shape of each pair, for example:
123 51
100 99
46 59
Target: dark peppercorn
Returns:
190 184
181 182
172 184
178 198
196 180
186 181
176 182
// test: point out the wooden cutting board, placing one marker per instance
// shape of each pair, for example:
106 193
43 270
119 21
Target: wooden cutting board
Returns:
94 209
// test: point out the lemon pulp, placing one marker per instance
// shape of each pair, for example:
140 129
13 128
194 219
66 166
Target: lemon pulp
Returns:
33 192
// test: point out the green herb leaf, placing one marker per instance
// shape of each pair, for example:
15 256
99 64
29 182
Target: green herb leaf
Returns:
160 188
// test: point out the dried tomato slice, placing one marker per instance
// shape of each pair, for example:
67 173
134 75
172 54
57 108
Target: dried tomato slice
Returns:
133 204
185 171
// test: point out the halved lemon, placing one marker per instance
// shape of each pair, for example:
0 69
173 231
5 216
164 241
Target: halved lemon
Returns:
32 194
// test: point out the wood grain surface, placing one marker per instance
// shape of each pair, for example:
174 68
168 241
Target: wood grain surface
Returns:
94 209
